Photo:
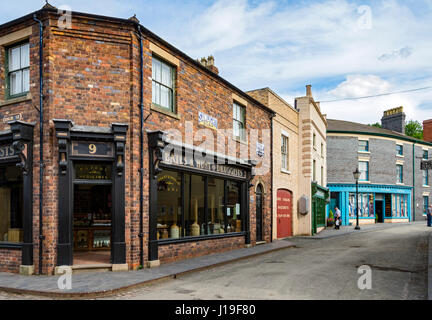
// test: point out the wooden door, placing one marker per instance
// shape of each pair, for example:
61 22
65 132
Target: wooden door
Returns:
284 213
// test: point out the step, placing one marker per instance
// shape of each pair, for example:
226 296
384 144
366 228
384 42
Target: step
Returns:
101 267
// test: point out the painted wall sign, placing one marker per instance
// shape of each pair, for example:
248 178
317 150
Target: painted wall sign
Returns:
7 152
92 172
426 165
207 121
189 162
260 149
93 149
13 117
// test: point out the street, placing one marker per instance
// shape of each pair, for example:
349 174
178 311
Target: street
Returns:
314 269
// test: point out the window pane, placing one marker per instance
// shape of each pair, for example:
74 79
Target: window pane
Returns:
169 205
26 80
233 208
14 59
15 82
363 145
166 75
195 217
25 56
11 204
364 169
216 222
157 93
156 70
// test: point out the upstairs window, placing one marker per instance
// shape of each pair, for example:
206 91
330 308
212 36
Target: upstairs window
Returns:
239 122
284 152
18 70
163 84
363 146
425 177
425 155
399 171
364 169
399 150
425 204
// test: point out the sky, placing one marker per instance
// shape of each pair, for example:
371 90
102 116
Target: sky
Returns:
344 49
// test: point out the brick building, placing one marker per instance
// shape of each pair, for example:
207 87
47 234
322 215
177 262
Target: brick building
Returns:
392 186
118 187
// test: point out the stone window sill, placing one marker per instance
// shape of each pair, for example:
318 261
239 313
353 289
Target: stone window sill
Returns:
364 152
27 97
285 171
168 113
240 141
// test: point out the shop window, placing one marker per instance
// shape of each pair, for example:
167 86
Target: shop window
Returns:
163 84
399 205
364 169
169 204
18 70
284 152
425 204
363 146
399 150
223 215
399 173
425 177
239 122
365 205
11 204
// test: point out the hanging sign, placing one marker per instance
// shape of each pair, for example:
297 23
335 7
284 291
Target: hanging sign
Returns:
260 149
93 149
7 152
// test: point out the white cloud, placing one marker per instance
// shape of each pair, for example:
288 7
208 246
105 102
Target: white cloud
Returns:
360 86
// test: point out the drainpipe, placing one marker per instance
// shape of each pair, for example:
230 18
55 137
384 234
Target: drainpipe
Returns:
141 234
414 198
271 176
41 164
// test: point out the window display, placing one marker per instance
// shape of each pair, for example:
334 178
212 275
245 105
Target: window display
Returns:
11 204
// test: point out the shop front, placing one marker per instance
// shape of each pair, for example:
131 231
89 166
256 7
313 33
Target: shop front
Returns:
376 203
16 185
91 222
199 202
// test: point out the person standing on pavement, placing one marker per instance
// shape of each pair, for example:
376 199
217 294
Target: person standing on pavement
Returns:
429 216
337 218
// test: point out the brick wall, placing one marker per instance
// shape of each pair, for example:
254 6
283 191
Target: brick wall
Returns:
10 260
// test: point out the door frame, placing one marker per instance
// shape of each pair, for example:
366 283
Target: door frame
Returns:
262 193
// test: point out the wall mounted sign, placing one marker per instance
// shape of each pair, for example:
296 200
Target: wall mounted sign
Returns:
13 117
93 149
7 152
207 121
189 162
260 149
93 172
426 165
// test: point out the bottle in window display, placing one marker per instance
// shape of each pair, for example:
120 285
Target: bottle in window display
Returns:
195 229
175 230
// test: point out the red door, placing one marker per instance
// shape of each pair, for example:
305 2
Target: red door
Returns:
284 213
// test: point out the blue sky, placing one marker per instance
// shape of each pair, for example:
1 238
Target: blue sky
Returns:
343 48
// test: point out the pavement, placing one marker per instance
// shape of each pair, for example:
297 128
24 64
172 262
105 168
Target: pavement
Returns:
94 284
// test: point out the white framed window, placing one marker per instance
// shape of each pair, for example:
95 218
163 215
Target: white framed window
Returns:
364 169
284 152
18 69
163 84
239 121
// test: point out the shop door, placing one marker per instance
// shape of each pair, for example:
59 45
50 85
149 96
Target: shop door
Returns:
284 214
379 210
259 207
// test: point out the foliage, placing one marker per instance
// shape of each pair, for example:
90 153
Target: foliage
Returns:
376 125
414 129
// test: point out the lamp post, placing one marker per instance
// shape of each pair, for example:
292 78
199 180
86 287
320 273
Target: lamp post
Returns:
357 174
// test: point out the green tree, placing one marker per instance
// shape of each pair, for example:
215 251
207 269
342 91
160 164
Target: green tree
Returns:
376 125
414 129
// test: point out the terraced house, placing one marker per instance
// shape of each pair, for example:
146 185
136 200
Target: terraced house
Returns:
85 176
392 186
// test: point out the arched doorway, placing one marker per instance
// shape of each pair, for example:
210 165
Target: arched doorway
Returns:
259 212
284 213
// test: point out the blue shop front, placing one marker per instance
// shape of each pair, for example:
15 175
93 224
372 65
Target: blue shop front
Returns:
376 203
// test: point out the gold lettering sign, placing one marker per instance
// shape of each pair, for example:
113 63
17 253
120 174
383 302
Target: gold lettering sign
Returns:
6 152
92 148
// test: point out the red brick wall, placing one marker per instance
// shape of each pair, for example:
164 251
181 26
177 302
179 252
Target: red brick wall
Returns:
427 130
175 252
10 260
92 76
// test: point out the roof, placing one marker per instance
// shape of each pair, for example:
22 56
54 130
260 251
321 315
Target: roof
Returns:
146 32
341 126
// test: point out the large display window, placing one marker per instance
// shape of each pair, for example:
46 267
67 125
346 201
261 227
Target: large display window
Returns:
212 206
365 205
11 204
399 206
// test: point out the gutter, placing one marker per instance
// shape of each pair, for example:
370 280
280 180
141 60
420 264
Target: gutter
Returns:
41 154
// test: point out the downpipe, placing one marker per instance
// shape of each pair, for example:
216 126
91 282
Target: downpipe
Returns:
41 140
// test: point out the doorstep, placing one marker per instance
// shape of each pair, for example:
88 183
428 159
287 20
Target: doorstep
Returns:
96 284
91 268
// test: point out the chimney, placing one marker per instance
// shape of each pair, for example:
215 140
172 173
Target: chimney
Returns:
309 90
394 119
427 130
209 63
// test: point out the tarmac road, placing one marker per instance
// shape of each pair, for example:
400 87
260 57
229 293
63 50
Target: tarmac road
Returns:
315 269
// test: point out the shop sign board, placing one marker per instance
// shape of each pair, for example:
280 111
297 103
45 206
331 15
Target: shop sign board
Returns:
7 152
426 165
207 121
93 149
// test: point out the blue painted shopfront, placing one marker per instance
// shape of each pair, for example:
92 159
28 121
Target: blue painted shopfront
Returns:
375 202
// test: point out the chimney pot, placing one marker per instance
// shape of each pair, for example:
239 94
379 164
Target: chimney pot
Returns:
394 119
309 90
